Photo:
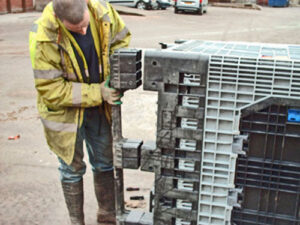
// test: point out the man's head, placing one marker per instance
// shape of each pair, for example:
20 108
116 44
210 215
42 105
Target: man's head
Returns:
73 13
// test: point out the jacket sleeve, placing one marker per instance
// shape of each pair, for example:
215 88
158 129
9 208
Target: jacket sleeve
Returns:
120 34
54 89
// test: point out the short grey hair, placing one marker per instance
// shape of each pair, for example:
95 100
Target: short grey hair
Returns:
70 10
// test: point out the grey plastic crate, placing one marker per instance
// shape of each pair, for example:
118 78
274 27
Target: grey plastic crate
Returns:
240 76
204 87
235 83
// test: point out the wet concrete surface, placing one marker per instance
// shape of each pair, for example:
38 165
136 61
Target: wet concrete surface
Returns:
30 191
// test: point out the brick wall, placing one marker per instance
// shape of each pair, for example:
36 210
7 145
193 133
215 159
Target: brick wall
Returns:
3 6
7 6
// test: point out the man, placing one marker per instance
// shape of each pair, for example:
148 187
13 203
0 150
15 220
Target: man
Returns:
70 45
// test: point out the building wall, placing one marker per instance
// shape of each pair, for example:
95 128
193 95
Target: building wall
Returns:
7 6
3 6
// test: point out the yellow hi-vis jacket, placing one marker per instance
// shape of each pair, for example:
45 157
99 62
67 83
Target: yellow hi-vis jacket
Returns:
62 94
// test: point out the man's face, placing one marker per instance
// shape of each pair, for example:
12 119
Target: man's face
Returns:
81 27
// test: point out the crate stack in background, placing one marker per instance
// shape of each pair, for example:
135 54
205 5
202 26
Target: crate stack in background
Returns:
207 171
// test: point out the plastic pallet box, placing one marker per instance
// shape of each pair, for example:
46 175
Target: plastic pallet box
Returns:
239 75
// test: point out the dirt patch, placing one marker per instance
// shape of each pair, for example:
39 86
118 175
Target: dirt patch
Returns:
19 114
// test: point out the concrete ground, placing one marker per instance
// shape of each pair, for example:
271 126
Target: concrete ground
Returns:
30 190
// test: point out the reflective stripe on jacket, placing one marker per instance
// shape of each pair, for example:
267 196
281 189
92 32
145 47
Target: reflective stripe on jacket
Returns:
62 95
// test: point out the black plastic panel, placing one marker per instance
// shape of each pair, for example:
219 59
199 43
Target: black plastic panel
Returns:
269 174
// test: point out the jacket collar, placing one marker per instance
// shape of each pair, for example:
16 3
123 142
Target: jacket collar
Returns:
49 27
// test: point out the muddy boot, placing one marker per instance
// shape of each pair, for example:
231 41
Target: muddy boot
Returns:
73 193
105 193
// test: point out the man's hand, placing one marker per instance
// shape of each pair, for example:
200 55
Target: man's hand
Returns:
109 95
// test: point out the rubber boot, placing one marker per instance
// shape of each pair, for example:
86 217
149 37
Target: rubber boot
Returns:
105 194
73 193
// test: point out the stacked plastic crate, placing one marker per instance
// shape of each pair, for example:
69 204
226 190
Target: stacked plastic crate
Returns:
242 78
